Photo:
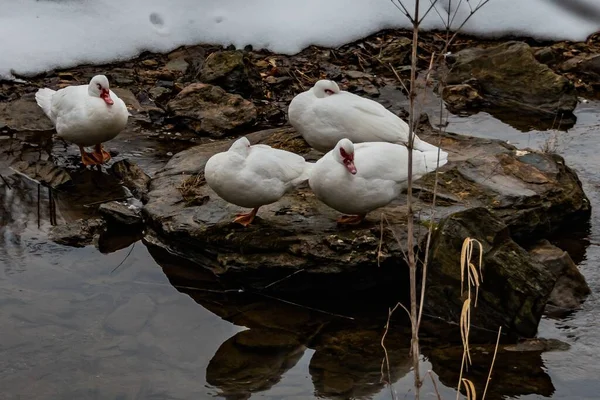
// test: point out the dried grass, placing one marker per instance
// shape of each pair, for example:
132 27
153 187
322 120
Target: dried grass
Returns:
190 190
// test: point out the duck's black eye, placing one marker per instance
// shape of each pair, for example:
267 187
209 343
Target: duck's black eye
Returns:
99 86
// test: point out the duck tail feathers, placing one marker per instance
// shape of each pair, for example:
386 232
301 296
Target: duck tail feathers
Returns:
431 159
421 145
43 97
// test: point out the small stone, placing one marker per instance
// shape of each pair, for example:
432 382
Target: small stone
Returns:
150 63
461 97
357 74
232 71
158 92
120 213
545 55
177 65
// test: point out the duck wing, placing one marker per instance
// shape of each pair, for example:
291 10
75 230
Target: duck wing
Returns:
362 120
284 166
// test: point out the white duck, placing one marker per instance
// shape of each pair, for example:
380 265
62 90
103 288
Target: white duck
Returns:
86 115
324 114
358 178
254 175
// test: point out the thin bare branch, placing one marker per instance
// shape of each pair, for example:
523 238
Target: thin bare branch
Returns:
435 387
449 26
432 6
386 356
437 11
492 365
400 6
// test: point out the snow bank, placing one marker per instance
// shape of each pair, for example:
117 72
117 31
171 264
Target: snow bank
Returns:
38 35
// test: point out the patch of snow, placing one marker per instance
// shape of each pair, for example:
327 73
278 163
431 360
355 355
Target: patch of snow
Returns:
39 35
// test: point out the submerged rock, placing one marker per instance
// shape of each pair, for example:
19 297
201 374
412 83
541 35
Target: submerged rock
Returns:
461 98
233 71
79 233
570 289
511 78
296 242
44 172
208 109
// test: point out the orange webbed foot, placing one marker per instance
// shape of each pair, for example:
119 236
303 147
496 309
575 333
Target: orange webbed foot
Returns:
350 219
246 219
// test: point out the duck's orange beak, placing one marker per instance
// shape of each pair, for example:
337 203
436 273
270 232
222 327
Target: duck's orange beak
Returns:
105 95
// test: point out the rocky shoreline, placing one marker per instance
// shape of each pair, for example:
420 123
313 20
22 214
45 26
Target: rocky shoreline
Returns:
507 198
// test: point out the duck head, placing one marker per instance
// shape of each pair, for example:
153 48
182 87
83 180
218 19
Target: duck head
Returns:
324 88
98 87
241 146
344 154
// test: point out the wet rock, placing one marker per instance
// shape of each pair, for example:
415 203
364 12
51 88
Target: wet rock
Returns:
570 289
118 213
79 233
131 176
208 109
297 237
461 97
514 288
44 172
233 71
130 318
510 77
24 114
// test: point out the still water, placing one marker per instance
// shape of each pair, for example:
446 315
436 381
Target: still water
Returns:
76 323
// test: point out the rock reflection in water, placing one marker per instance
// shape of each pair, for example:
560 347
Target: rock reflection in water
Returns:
348 355
518 370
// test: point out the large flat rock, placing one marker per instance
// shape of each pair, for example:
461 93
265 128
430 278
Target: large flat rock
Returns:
525 194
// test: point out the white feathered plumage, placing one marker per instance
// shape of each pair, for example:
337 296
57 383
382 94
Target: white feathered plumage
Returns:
252 176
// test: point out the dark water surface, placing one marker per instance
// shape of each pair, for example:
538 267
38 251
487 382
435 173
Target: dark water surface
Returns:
73 327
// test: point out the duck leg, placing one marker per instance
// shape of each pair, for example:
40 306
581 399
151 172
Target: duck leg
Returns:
351 219
101 154
87 158
246 219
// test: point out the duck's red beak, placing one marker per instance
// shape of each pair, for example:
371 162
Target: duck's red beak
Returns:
349 164
105 95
